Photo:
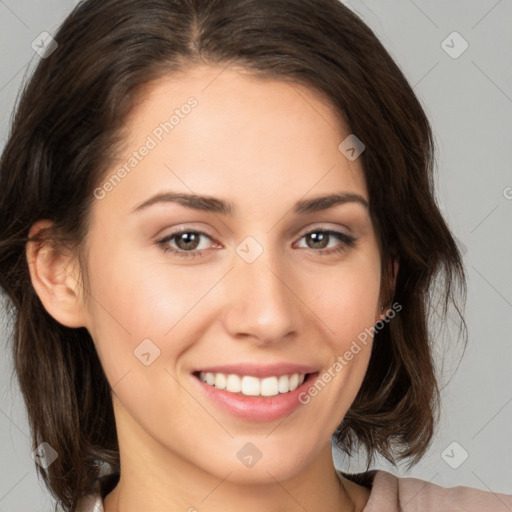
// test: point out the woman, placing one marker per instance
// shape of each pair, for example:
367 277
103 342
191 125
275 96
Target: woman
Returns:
219 237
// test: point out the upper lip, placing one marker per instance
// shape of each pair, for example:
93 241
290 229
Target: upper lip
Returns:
259 370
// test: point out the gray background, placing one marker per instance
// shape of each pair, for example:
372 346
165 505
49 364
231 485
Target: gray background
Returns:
469 102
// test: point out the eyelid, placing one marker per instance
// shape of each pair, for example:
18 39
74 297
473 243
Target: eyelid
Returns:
325 227
178 231
184 229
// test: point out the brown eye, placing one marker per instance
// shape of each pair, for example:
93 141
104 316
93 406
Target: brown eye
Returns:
184 242
319 239
187 241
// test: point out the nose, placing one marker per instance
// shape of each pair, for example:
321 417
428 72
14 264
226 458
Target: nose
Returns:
260 300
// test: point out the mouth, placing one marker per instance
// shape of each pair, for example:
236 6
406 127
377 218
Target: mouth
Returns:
252 386
255 393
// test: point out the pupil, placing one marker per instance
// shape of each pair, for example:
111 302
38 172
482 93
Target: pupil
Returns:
319 238
190 240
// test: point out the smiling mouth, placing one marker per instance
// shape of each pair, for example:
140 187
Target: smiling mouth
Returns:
248 385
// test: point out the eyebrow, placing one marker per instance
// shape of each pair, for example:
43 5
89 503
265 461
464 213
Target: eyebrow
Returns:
215 205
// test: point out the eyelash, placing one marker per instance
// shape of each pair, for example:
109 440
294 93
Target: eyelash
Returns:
347 241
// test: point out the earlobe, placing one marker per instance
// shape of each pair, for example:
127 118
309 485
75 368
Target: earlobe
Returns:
54 276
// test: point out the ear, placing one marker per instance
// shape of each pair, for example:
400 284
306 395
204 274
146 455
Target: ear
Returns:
385 301
54 275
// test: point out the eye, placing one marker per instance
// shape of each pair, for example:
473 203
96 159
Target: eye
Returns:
188 242
320 238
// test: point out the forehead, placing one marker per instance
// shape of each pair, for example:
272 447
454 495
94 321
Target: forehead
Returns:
223 132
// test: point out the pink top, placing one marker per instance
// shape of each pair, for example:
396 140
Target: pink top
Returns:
392 494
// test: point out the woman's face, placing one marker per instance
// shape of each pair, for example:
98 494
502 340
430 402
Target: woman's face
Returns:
271 286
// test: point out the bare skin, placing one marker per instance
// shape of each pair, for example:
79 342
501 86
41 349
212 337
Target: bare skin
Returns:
261 145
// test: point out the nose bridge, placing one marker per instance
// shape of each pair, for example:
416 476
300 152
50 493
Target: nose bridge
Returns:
261 303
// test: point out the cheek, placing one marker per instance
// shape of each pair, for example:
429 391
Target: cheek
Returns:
141 297
346 298
347 305
133 302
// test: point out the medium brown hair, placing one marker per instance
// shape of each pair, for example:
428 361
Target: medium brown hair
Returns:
64 136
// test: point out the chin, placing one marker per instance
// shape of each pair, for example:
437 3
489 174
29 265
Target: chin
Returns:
260 466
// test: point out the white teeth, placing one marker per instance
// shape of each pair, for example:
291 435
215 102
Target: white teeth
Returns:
234 384
250 386
269 386
253 386
294 381
220 381
283 384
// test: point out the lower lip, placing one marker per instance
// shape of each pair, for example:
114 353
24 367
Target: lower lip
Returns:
256 408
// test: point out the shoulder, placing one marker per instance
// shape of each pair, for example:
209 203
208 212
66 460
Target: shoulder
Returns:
390 493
